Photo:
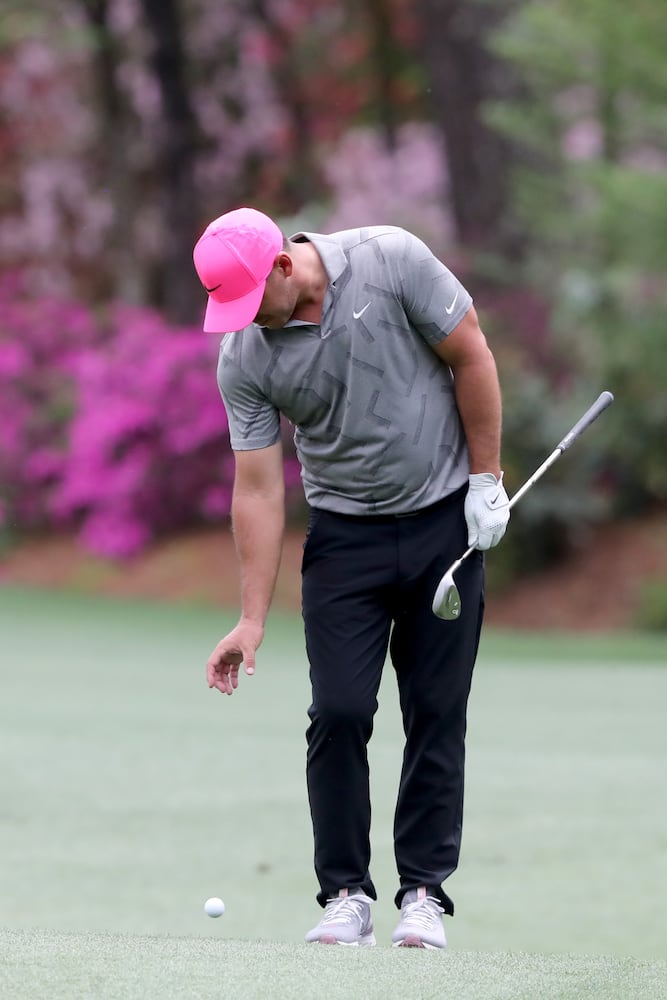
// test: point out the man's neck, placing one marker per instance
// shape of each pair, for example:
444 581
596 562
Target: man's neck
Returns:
314 282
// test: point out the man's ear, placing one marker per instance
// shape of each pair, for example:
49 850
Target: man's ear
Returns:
284 262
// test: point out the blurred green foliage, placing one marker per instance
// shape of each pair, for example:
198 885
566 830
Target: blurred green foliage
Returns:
574 493
651 611
592 191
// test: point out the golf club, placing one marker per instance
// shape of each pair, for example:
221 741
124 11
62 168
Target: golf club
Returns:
447 600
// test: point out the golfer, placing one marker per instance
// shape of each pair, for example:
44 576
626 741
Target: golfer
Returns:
372 349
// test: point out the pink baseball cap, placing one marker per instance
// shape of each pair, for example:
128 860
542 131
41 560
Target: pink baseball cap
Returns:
233 258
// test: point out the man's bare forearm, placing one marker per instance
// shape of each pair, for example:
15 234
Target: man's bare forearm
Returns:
258 523
479 404
477 391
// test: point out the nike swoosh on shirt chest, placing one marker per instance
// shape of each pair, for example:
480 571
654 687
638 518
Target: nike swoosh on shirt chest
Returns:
358 314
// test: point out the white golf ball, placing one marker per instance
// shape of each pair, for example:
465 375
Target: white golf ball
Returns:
214 907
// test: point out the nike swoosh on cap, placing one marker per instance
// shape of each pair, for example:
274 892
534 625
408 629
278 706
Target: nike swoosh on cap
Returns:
214 289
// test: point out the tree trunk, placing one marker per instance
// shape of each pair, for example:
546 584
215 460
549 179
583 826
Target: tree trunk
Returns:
123 279
463 75
303 182
180 291
385 58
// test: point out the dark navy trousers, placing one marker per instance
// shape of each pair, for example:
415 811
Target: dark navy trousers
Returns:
368 585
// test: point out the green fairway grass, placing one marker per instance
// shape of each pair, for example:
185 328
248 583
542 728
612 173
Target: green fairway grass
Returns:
129 793
111 967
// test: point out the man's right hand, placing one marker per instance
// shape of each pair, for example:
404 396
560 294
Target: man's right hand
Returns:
239 646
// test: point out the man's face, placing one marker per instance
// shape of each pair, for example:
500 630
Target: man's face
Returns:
279 300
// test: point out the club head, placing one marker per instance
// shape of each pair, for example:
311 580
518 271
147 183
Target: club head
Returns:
447 600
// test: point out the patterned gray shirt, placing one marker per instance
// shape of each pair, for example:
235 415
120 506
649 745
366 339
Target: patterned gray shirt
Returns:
376 425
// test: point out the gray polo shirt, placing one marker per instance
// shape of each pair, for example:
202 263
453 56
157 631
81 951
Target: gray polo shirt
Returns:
376 427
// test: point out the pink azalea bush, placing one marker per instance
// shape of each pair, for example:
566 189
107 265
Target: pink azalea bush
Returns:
110 424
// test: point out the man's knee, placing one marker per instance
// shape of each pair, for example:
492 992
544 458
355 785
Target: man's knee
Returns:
338 715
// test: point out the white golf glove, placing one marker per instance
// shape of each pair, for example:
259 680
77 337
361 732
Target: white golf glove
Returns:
486 510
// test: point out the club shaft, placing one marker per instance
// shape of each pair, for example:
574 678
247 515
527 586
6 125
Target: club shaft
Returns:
546 464
604 400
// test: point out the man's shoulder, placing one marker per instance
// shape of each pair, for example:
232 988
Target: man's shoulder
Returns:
347 239
386 236
242 349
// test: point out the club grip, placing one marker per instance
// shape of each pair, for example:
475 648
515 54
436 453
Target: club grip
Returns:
604 400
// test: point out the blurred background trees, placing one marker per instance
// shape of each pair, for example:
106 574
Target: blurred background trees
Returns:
525 141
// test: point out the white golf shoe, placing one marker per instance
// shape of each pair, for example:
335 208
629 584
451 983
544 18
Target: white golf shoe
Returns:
346 920
421 924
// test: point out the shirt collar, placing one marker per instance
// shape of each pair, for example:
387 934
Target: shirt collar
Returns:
330 251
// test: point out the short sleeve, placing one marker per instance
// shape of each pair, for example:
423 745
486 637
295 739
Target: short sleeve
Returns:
434 299
254 422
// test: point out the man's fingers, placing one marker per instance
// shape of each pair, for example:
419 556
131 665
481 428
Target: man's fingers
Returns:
218 678
222 668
